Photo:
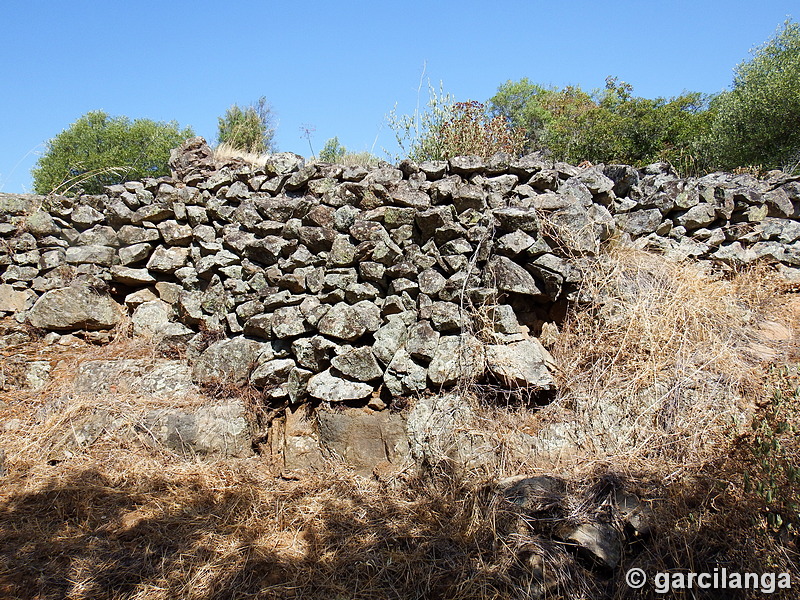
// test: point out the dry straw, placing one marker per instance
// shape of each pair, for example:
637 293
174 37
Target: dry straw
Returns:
656 361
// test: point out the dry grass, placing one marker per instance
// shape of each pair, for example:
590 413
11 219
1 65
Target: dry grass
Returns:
658 365
120 519
355 159
225 153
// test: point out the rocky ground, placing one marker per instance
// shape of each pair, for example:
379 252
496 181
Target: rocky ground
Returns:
499 378
124 478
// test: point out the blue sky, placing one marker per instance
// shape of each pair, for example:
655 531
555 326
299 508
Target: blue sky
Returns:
340 67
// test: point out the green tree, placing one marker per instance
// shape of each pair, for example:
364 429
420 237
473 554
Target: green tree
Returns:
609 125
525 105
757 122
333 151
250 129
99 150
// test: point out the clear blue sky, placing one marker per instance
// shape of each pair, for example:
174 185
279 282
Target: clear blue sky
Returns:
341 66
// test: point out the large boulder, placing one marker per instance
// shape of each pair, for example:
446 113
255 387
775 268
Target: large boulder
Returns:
441 429
364 439
229 361
218 429
457 358
139 377
521 365
192 161
72 308
330 388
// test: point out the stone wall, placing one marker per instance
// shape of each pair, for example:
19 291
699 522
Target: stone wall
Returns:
356 285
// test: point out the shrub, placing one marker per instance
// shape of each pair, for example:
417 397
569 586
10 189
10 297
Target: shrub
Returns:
448 128
249 129
333 151
471 131
99 150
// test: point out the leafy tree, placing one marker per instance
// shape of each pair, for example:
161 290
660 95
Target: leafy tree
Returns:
757 122
250 129
525 105
611 125
99 150
333 151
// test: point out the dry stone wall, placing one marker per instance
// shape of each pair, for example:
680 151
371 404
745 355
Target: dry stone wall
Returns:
358 285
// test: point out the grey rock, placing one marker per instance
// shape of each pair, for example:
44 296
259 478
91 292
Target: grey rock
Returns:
20 204
512 218
19 273
433 169
153 213
600 540
272 373
440 430
167 379
508 276
357 363
288 322
733 254
85 216
431 282
571 229
130 276
501 319
521 365
259 326
343 322
469 196
639 222
98 255
313 353
466 165
129 235
514 243
457 357
434 218
12 300
364 439
779 203
406 197
228 361
533 494
99 235
41 224
389 339
784 231
73 308
604 224
175 234
211 429
330 388
697 217
422 341
151 317
404 376
168 260
595 180
448 317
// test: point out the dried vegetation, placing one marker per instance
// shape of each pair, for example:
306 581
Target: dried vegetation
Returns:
127 520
